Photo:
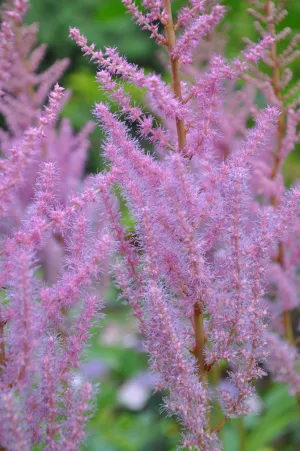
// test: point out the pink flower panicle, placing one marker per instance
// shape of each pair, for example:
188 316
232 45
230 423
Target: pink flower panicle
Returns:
214 236
201 27
23 153
186 14
31 136
55 98
12 434
40 364
280 90
283 362
42 200
147 21
11 21
203 245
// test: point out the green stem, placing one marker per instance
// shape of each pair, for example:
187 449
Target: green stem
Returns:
242 434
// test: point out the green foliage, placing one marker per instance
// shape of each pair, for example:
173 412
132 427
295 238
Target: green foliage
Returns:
278 420
280 414
105 22
131 432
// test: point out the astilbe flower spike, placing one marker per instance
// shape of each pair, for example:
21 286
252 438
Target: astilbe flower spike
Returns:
11 20
195 275
283 273
267 180
202 26
210 230
38 365
44 209
21 155
30 135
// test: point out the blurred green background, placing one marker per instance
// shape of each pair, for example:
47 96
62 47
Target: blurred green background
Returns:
127 414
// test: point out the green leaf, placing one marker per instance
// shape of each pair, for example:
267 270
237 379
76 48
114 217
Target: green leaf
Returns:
280 414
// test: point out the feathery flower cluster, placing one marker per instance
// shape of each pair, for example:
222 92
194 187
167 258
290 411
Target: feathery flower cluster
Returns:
41 348
283 273
196 272
201 27
11 19
267 181
50 252
30 136
213 241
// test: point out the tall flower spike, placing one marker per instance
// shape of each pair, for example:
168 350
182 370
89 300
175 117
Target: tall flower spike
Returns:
22 108
77 409
23 317
36 368
38 364
12 434
12 19
196 267
283 280
14 166
188 396
200 253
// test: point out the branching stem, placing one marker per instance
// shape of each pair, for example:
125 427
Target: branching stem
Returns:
220 425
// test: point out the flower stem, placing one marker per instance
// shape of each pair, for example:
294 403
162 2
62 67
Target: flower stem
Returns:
288 328
220 425
2 347
242 433
171 42
199 341
199 351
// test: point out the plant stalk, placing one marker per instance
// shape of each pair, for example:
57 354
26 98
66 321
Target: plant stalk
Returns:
174 63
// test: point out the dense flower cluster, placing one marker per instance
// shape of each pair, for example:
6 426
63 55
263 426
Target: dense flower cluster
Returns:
279 89
214 252
51 251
